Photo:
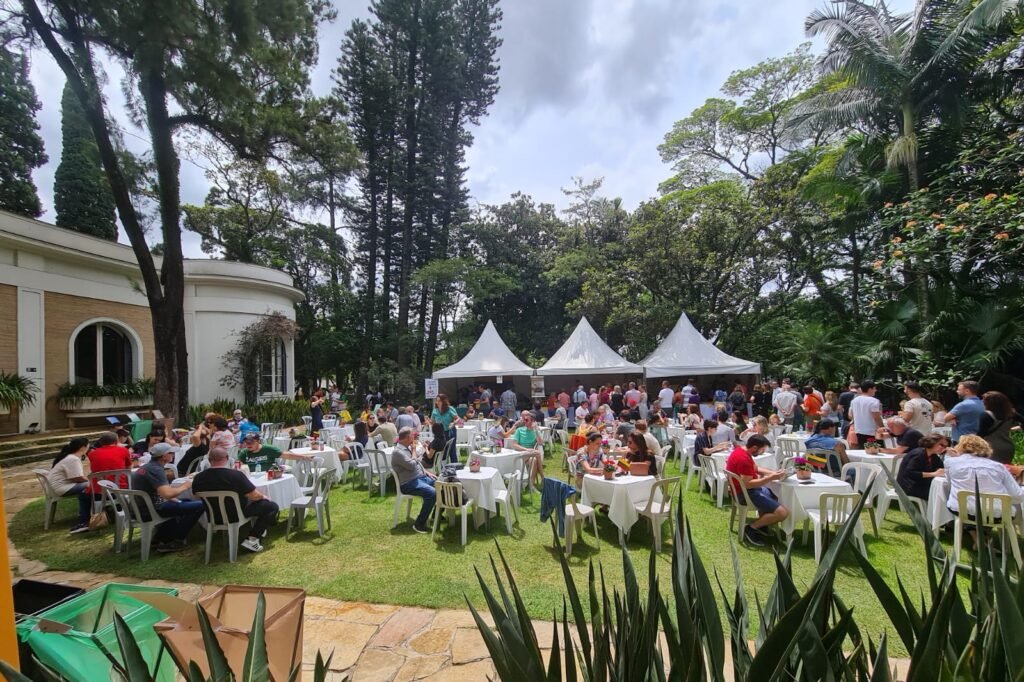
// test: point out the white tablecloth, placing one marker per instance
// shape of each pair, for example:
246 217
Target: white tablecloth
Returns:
886 461
938 496
504 461
281 490
464 434
620 494
798 497
683 440
483 486
767 460
330 456
282 443
329 423
481 425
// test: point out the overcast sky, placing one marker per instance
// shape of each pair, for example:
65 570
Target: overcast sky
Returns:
588 88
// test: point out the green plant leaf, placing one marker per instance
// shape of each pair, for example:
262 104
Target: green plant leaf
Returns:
1011 623
215 659
257 665
134 663
897 614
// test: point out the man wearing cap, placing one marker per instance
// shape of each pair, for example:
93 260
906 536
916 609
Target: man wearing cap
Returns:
254 452
255 505
152 479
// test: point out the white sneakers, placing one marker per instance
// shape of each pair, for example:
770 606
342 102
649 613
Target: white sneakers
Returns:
252 544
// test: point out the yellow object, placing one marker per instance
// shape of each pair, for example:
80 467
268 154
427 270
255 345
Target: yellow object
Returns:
8 638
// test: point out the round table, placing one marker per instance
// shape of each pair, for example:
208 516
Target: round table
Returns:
329 455
620 494
885 460
504 460
483 486
798 497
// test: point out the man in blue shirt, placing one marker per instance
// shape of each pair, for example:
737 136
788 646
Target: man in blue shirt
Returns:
966 414
824 438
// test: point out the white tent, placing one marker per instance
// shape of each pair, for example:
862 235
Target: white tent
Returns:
584 353
684 352
489 357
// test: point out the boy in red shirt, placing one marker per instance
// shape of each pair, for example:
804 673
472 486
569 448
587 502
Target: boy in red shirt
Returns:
108 456
741 462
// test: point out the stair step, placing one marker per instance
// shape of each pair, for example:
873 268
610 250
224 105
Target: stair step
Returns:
55 442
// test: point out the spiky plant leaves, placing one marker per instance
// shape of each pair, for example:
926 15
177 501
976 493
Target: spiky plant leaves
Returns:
898 614
135 667
1011 621
256 667
219 668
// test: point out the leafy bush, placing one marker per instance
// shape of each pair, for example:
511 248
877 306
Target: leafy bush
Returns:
16 390
809 636
290 412
72 395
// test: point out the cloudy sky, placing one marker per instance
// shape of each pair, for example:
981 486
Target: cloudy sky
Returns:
588 88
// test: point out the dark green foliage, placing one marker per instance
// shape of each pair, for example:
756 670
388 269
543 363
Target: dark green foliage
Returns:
21 147
81 191
71 395
288 412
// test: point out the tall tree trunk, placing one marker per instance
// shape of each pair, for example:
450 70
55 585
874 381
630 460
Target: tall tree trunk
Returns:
371 269
410 190
424 290
389 232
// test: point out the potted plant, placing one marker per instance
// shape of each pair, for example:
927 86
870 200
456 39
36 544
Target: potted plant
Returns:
15 391
74 397
803 468
871 446
474 465
609 470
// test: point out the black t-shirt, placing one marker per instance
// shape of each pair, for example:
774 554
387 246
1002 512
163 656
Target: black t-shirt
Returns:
616 402
217 479
845 398
909 439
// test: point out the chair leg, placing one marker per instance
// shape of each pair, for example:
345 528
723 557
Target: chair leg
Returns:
508 516
958 530
209 541
465 517
51 512
874 521
656 529
570 526
398 508
721 492
806 522
145 540
437 522
597 538
732 517
233 542
817 543
319 518
1014 542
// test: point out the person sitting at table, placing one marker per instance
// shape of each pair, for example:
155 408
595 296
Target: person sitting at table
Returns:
693 421
360 435
658 428
605 417
220 477
740 420
386 431
724 434
151 478
220 434
407 418
921 465
705 445
108 456
774 420
524 436
235 423
624 426
152 438
254 453
496 433
470 413
590 458
825 438
67 477
413 479
906 437
438 444
653 446
587 426
974 469
637 451
497 410
756 479
758 426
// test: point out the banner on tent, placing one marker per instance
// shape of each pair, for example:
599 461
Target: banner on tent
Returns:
537 387
430 388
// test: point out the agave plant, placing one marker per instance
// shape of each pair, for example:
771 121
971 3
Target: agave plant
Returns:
809 636
132 667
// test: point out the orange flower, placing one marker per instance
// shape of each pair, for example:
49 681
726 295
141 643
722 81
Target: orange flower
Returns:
1002 236
940 226
888 204
878 264
963 207
990 196
911 223
958 229
897 253
936 215
897 240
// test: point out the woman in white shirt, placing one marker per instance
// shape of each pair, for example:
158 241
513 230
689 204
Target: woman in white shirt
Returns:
972 469
67 478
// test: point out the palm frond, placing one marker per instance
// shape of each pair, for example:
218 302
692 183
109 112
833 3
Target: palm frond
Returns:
902 151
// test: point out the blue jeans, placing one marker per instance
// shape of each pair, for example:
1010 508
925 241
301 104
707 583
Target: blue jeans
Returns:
183 516
84 501
422 487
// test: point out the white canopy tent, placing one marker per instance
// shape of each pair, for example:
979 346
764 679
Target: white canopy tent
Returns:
585 354
489 358
685 353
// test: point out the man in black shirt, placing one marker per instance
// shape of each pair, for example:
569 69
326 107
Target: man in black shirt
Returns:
219 477
151 478
845 398
906 437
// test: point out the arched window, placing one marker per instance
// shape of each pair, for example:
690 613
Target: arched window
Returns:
272 368
104 352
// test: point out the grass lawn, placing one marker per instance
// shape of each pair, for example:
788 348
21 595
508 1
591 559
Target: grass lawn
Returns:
365 560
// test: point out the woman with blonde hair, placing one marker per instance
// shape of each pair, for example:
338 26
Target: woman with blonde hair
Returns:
938 414
974 469
830 408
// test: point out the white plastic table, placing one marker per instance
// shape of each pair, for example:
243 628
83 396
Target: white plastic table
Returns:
483 486
767 460
798 497
330 456
504 460
282 491
885 460
481 424
464 434
938 496
620 494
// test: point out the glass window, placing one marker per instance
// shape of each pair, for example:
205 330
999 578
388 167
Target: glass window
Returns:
272 364
103 354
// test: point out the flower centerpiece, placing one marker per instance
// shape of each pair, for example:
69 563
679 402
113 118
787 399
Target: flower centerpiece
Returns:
609 470
871 446
803 468
314 441
474 464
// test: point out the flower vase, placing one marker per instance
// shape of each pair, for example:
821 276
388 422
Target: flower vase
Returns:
871 449
609 475
803 474
474 467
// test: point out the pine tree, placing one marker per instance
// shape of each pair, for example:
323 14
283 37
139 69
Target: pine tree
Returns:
81 191
21 148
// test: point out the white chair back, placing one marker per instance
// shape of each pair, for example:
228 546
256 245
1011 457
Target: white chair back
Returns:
449 495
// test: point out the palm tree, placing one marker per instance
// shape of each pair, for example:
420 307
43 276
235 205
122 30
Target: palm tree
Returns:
899 71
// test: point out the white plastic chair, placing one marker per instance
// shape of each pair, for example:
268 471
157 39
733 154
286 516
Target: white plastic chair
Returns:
505 499
378 468
449 498
864 476
993 511
713 477
120 515
576 513
52 498
833 509
219 505
109 476
789 448
307 421
741 505
318 498
133 502
658 507
399 498
570 463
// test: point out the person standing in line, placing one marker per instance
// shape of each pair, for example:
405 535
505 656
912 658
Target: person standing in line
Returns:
917 411
966 414
866 413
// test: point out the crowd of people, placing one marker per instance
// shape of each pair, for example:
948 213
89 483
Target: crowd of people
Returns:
967 443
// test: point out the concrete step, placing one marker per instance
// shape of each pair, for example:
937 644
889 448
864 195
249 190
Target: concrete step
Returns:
41 448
